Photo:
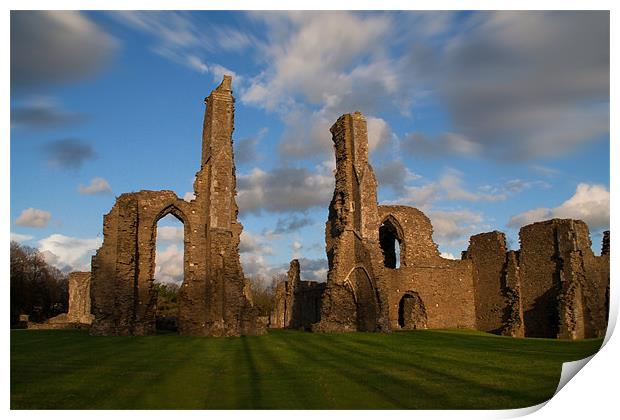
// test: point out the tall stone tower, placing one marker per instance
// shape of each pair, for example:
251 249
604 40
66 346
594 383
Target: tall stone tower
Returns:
352 300
211 299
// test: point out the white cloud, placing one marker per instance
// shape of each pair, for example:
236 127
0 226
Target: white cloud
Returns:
530 216
449 187
169 264
65 251
452 228
32 217
285 189
97 186
447 256
296 246
189 196
302 45
250 243
590 203
180 38
379 132
170 234
18 237
255 265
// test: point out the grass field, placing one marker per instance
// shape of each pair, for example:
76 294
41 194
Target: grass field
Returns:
286 369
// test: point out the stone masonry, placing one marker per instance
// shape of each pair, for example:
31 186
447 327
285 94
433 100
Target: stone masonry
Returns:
79 298
297 302
78 315
212 299
385 271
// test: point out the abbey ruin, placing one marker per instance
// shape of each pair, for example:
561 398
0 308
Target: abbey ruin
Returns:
554 286
212 299
385 271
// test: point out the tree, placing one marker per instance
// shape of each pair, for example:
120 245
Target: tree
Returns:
263 292
37 288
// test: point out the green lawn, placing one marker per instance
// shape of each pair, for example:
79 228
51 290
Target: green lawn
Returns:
286 369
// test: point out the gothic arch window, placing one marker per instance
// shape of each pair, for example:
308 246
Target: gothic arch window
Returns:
390 239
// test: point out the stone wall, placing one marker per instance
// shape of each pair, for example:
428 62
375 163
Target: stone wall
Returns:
487 252
385 271
563 284
353 298
79 298
78 314
444 287
383 263
297 303
212 298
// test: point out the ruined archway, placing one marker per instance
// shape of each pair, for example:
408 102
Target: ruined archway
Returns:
391 241
366 302
169 271
411 312
212 299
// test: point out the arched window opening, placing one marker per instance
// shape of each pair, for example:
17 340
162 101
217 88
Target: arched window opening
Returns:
411 312
390 242
169 272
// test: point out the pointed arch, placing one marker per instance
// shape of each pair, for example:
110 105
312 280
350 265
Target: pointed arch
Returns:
391 240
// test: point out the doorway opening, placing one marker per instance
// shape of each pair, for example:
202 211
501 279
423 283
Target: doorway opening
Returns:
411 312
168 274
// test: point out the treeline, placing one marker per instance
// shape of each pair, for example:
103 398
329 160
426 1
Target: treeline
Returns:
37 288
263 295
263 292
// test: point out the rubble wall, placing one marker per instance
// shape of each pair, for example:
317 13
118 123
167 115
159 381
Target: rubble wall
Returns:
563 284
444 286
212 299
487 252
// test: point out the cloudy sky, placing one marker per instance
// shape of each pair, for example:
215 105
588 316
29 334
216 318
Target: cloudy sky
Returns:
483 120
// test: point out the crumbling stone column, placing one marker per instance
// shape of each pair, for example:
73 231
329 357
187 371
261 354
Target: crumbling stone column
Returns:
513 321
79 298
353 299
487 251
563 283
212 298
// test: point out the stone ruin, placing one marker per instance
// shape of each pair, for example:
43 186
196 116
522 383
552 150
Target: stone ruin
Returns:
297 303
79 312
386 273
212 298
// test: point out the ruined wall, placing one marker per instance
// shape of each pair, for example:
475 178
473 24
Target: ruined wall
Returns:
212 298
78 314
297 303
79 298
352 300
513 321
563 284
487 252
371 285
445 287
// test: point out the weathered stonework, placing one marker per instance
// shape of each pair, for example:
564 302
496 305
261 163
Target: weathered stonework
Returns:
212 299
297 303
78 315
354 298
79 298
563 284
385 271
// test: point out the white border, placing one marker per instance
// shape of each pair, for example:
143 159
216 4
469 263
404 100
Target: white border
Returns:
592 394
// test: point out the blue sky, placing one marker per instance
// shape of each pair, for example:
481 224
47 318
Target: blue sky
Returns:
483 120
